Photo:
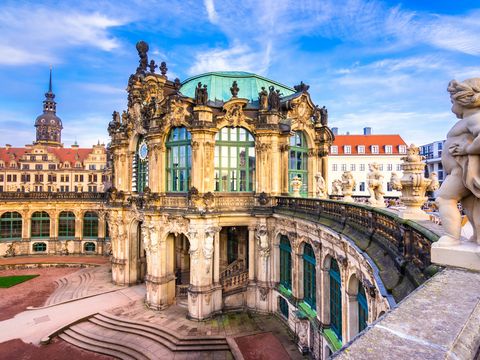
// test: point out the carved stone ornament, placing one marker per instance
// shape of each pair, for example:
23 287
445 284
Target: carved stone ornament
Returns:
234 113
263 293
262 239
178 112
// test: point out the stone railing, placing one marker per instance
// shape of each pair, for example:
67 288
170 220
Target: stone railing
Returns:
182 290
400 248
29 196
234 276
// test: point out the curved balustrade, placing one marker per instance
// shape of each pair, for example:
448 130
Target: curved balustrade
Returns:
400 248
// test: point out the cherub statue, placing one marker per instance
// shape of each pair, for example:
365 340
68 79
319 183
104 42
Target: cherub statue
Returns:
461 162
395 181
337 187
375 185
321 186
348 185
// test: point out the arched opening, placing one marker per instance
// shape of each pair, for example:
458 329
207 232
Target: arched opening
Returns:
234 160
182 268
137 254
89 247
233 256
40 226
335 299
140 166
362 307
298 161
285 262
11 226
309 277
179 160
66 225
90 225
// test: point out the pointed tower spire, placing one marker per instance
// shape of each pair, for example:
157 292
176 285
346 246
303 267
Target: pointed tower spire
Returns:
50 84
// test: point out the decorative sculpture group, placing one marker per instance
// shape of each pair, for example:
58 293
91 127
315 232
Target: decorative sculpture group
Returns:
461 162
201 94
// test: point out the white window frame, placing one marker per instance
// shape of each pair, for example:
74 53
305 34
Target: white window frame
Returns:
375 149
361 149
334 149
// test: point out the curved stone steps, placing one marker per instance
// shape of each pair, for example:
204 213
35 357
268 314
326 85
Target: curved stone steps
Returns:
168 339
62 285
102 344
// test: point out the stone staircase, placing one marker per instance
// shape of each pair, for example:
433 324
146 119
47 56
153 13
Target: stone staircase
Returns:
127 339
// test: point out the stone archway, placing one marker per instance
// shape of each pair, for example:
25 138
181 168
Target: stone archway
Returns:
137 255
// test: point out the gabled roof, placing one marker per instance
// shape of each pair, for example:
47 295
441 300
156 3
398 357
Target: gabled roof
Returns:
62 154
368 140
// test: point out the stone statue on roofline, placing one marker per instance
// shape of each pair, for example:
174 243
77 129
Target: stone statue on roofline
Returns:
263 99
273 99
461 162
375 186
201 94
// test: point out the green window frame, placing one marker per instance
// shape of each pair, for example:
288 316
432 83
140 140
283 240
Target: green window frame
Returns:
39 247
66 225
234 160
285 262
90 225
362 307
283 305
179 159
335 299
309 277
11 226
298 161
140 169
40 226
89 247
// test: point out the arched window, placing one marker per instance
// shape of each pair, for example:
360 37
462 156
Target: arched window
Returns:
362 307
179 160
234 160
11 226
285 262
40 225
39 247
298 162
89 247
90 225
140 167
335 299
107 231
309 286
66 225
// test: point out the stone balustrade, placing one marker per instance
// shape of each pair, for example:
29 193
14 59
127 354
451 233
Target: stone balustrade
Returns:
39 196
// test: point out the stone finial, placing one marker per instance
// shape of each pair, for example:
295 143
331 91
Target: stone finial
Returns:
163 68
296 184
152 66
302 87
142 48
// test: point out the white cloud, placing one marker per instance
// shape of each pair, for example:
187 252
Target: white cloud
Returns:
212 14
34 34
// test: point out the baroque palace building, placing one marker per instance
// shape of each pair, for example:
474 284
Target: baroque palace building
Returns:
199 208
51 197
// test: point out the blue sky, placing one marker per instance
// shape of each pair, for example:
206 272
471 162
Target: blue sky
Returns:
382 64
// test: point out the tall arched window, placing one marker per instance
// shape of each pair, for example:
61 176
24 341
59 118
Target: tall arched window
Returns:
11 226
90 225
309 275
298 161
66 225
335 299
40 225
234 160
362 307
140 167
179 160
285 262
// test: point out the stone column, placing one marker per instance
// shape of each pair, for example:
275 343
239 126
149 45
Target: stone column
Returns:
264 295
324 312
312 170
252 285
284 148
216 262
352 316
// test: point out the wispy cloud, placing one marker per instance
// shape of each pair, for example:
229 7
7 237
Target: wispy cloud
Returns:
212 14
34 34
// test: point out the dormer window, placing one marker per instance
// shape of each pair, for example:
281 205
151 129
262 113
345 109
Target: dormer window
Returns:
334 149
388 149
402 149
374 149
347 149
361 149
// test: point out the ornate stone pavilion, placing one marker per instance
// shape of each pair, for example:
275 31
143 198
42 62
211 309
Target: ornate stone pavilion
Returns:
200 208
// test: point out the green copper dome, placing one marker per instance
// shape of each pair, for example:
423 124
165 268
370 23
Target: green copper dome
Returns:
219 84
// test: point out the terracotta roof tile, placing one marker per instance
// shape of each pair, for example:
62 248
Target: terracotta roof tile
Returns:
368 140
62 154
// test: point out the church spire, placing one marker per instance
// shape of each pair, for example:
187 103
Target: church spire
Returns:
49 126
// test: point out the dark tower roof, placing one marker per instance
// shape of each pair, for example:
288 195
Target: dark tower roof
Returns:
49 125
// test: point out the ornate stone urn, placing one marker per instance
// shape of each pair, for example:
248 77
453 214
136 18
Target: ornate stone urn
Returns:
414 185
296 185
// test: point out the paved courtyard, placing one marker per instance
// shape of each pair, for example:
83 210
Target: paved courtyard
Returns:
63 295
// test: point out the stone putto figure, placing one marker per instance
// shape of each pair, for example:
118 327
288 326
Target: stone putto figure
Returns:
321 186
348 184
324 116
337 187
461 161
375 186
